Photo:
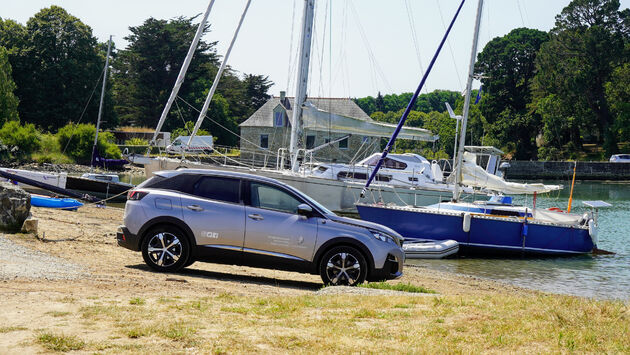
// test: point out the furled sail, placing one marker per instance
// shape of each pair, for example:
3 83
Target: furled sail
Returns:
475 176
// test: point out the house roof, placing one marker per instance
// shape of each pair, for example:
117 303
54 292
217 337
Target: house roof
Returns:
263 117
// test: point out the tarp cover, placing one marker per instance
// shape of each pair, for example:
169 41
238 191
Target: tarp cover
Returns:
475 176
318 120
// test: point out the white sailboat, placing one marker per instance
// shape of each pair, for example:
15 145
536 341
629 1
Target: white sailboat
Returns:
334 193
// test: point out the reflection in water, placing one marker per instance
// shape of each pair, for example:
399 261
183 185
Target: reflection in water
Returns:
587 275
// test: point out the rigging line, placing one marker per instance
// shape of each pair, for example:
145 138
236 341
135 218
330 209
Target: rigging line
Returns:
291 38
179 113
518 4
219 124
342 49
84 110
366 43
450 48
414 36
323 52
330 68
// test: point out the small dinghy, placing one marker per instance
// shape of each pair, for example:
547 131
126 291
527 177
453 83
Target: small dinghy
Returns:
430 249
54 202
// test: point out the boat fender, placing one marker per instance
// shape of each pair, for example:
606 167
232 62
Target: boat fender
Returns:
592 230
466 222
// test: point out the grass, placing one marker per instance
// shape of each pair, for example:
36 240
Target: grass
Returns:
137 301
230 323
61 343
404 287
11 329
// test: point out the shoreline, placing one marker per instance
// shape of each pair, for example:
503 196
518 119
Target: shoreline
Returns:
116 305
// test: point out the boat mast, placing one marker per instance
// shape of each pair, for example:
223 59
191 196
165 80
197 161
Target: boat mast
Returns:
206 104
100 106
181 76
471 70
302 80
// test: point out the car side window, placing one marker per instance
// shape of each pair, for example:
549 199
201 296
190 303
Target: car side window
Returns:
218 188
269 197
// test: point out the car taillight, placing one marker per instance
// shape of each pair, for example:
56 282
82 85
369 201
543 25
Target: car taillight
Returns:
136 195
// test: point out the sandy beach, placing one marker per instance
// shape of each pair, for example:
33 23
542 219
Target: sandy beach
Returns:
102 298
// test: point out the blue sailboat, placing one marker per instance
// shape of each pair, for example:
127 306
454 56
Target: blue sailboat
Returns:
496 226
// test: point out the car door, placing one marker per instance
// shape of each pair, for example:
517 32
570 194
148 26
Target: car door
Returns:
273 227
215 213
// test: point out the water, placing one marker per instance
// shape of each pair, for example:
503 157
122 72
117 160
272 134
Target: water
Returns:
597 276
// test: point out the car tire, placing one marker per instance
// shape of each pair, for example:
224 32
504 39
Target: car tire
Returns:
343 265
166 249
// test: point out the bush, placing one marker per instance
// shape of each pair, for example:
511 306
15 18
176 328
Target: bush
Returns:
50 151
136 141
77 142
21 141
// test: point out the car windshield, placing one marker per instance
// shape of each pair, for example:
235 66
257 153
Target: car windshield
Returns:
312 201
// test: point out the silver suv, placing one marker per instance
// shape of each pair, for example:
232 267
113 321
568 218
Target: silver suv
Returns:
180 216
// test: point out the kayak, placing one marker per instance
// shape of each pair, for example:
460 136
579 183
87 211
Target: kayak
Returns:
54 202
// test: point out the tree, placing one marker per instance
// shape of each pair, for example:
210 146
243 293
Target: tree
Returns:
507 67
146 71
8 101
56 62
587 44
256 92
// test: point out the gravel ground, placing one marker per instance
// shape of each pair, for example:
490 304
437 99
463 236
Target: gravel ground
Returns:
19 262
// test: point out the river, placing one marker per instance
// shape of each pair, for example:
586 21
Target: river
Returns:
597 276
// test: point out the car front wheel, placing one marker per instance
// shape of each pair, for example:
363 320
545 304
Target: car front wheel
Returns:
166 249
343 266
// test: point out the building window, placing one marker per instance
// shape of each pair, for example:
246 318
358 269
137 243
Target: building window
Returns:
264 141
343 144
326 140
278 120
310 142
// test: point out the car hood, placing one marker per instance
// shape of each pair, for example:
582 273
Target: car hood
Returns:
366 224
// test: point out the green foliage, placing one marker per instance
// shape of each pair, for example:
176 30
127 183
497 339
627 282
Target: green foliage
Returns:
187 130
136 141
8 101
50 151
587 44
618 94
77 142
60 342
426 103
22 140
56 61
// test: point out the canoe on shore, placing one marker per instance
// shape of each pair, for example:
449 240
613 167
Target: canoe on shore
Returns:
55 202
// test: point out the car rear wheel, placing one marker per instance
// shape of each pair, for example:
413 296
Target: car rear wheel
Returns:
343 266
166 249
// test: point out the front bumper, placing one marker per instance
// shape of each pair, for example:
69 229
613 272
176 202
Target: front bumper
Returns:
127 240
392 269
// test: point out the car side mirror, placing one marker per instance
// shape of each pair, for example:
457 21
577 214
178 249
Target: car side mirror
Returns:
304 210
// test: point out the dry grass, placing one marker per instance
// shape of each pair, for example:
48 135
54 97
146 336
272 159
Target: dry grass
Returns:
136 129
354 323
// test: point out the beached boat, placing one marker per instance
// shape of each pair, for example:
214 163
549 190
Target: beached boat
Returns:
430 249
55 202
495 226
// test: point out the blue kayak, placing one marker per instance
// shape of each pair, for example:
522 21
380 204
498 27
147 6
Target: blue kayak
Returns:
54 202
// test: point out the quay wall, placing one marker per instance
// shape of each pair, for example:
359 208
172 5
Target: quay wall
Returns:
562 170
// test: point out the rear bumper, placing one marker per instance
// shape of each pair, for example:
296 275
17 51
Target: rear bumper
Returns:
127 240
392 269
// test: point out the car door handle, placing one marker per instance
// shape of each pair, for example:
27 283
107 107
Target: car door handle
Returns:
195 208
256 216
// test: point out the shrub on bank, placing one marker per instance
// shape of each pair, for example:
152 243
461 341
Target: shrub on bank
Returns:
77 141
18 141
137 141
50 151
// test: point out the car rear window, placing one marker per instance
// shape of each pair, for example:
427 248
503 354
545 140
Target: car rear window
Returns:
181 182
218 188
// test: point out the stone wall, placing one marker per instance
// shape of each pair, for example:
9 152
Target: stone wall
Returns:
563 170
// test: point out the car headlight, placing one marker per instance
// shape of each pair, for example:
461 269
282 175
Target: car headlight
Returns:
383 237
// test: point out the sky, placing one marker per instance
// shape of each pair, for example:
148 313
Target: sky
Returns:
371 48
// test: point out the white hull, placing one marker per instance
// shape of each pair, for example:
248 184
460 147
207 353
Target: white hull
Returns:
430 249
336 195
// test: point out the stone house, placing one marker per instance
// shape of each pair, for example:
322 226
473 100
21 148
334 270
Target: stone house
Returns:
324 120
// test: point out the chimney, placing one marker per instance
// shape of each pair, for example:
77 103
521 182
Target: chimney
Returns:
283 95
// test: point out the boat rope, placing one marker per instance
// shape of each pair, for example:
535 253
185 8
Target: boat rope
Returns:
291 39
450 48
84 109
414 37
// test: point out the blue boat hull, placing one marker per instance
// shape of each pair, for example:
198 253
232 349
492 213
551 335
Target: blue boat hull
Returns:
488 235
53 202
